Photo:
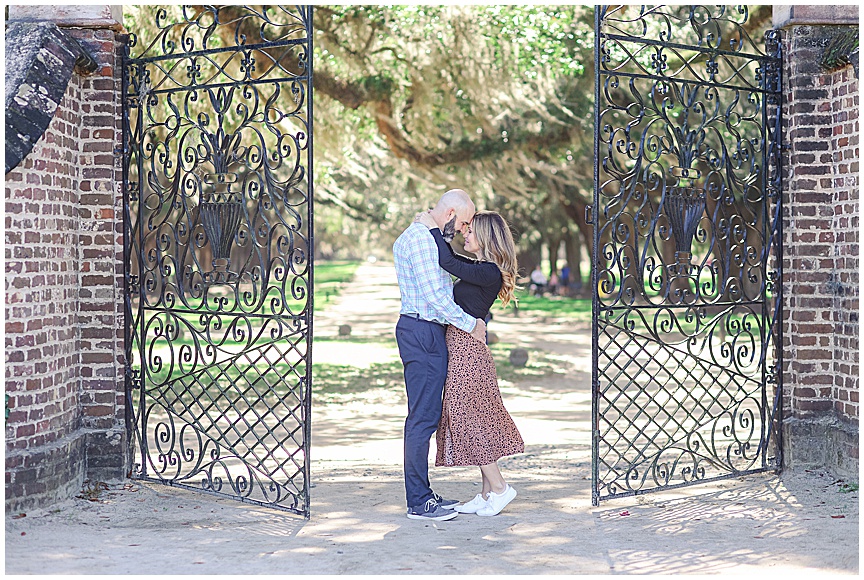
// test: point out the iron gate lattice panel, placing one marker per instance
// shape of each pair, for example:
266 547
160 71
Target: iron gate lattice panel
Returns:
686 258
218 252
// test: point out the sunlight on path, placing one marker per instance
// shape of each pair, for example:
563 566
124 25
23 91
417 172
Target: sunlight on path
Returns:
355 354
369 304
765 524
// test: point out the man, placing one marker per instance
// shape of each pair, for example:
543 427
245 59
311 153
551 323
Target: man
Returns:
538 281
565 280
427 307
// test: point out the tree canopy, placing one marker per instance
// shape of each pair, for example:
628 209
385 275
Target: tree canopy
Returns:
493 99
413 100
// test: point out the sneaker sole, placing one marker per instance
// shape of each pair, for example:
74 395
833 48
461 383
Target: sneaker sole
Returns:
446 517
470 510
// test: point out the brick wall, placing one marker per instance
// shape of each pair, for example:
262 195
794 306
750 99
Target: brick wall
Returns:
42 355
63 254
844 231
820 254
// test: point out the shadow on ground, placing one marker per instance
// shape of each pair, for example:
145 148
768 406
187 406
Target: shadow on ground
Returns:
799 522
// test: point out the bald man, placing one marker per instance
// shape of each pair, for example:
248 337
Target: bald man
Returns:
427 308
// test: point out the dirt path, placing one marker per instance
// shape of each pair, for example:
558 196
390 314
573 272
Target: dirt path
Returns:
759 524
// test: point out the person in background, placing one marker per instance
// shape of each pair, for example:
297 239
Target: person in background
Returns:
565 280
538 281
553 283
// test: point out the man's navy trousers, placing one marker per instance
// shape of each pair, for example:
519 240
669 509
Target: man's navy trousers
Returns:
423 349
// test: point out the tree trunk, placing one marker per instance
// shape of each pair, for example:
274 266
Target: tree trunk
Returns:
528 257
585 234
554 248
573 249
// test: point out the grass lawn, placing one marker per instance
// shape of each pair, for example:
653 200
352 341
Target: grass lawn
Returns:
329 278
347 367
335 382
576 308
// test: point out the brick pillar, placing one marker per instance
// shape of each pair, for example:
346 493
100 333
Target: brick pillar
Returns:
820 263
100 292
64 311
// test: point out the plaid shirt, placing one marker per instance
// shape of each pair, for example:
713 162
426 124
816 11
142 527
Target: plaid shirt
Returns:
426 289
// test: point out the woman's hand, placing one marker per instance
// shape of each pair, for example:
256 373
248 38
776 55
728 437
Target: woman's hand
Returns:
426 219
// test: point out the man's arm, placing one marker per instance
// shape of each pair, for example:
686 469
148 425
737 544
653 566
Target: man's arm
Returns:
424 258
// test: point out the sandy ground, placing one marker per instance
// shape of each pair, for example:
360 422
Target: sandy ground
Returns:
763 524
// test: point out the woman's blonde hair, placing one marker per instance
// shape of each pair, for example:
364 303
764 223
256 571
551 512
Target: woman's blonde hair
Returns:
496 245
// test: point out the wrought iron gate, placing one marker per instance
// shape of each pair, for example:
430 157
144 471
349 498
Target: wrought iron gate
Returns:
686 258
218 254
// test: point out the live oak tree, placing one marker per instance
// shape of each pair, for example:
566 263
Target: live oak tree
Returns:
413 100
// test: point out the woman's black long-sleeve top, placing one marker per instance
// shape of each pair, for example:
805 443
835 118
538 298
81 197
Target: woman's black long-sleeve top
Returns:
479 282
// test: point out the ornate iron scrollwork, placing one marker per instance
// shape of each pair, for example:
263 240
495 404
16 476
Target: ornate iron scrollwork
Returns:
686 260
218 202
221 214
221 209
683 207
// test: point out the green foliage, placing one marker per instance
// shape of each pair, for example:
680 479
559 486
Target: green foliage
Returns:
839 51
475 84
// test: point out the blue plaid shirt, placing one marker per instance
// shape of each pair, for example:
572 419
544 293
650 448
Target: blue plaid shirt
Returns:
425 287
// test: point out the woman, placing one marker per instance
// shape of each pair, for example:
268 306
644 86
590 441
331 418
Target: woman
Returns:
475 428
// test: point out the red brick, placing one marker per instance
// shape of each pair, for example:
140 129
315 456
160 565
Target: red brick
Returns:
44 254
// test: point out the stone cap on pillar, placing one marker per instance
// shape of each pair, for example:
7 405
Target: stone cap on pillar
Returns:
37 73
75 16
814 15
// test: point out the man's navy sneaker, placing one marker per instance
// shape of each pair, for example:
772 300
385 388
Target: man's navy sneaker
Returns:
447 504
430 511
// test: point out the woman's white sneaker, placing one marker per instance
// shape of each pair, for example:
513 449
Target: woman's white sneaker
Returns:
472 506
497 502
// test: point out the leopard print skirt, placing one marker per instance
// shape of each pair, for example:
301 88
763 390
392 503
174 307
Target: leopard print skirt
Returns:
475 428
